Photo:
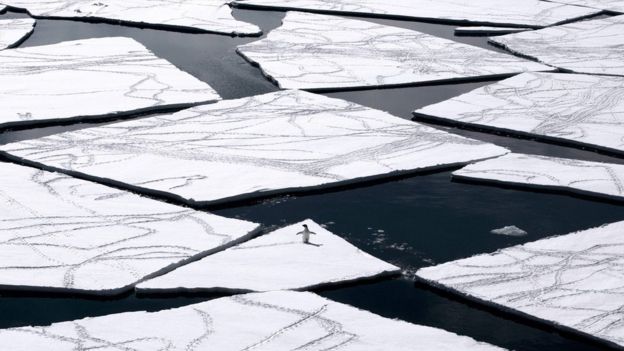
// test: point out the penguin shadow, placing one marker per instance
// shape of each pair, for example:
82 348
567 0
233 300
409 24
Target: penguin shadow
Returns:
317 245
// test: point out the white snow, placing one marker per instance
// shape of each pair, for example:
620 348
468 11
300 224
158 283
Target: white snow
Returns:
200 15
488 30
276 261
510 230
589 178
13 31
574 281
58 233
314 52
530 13
595 46
572 108
91 78
609 5
280 142
281 320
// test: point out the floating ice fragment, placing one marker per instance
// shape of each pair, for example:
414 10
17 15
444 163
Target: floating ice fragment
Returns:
14 31
511 230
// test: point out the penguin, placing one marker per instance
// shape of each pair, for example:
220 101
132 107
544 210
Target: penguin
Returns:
306 234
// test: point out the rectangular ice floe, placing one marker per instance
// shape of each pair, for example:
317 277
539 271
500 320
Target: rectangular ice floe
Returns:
199 15
281 320
605 180
280 142
574 281
530 13
319 52
484 31
577 109
14 31
280 260
91 78
609 5
595 46
58 233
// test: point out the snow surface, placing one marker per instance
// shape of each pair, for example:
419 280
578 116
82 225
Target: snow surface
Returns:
488 30
571 108
530 13
275 261
316 52
58 233
582 177
510 230
91 78
200 15
252 147
574 281
281 320
14 31
609 5
595 46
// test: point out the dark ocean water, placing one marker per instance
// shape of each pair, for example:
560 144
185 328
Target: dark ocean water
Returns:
411 222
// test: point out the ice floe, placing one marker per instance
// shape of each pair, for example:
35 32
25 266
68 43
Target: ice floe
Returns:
282 142
280 320
574 281
530 13
609 5
103 77
275 261
58 233
484 31
320 52
510 230
595 46
14 31
571 108
199 15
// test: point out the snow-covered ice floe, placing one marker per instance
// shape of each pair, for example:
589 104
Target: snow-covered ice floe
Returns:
14 31
104 77
275 261
510 230
484 31
320 52
604 180
531 13
61 234
608 5
595 46
574 109
282 142
279 320
199 15
574 282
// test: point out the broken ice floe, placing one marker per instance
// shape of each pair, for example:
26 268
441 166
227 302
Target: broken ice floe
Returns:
103 77
510 230
609 5
595 46
14 31
279 320
530 13
319 52
275 261
61 234
571 108
484 31
199 15
282 142
605 180
574 281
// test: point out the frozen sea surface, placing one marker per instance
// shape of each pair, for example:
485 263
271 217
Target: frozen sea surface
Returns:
609 5
14 31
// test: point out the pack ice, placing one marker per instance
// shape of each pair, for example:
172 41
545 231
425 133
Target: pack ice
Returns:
595 46
58 233
199 15
282 142
280 320
609 5
275 261
14 31
104 77
574 282
319 52
571 108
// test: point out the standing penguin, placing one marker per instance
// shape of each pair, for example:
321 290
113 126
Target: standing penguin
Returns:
306 234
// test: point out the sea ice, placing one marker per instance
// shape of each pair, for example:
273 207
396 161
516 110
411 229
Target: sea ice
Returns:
14 31
609 5
595 46
530 13
483 31
91 78
200 15
279 320
275 261
319 52
574 282
58 233
510 230
281 142
572 108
